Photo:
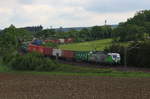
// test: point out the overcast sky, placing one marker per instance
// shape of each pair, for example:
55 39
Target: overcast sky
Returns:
68 13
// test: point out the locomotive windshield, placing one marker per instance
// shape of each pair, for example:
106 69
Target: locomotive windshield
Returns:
114 56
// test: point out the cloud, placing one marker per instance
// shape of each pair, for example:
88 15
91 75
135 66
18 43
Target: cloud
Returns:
67 13
108 6
26 1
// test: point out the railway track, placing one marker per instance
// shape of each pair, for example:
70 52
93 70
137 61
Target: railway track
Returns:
96 65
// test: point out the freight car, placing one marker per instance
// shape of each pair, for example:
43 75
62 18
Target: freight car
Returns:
87 56
61 41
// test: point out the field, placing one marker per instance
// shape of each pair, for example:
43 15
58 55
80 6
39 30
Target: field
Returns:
27 86
74 82
98 45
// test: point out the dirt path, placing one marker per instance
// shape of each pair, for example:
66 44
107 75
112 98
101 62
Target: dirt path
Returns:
14 86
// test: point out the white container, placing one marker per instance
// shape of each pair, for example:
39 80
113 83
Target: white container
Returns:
57 52
61 40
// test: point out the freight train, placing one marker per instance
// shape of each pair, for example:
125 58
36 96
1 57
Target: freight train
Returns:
87 56
61 41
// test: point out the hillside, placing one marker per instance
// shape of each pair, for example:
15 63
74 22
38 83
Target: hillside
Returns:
87 46
98 45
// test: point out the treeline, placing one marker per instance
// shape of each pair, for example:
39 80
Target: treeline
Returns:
34 28
136 28
136 31
85 34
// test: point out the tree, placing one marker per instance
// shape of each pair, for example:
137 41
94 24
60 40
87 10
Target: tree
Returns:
47 33
139 53
11 39
96 32
84 35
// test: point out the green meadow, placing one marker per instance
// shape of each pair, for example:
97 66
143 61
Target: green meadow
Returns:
98 45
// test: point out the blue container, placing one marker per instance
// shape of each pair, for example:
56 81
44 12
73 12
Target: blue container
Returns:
37 42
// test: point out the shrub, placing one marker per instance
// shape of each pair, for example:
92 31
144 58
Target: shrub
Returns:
32 61
139 53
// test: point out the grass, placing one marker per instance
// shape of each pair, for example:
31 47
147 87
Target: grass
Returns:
4 68
111 74
69 70
98 45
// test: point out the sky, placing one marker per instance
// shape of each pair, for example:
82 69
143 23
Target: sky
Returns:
68 13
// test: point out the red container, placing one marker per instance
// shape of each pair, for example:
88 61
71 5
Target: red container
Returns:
69 40
46 41
31 48
36 48
57 41
65 41
53 41
48 51
40 49
68 54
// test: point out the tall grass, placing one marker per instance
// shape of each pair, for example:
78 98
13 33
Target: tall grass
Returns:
3 68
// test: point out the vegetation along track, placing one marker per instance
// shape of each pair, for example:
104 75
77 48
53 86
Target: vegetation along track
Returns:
104 66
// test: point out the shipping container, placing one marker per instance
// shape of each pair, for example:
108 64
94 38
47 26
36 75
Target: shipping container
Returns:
53 41
48 51
57 41
82 55
68 54
48 41
31 48
40 49
65 41
35 48
57 52
61 40
37 42
68 40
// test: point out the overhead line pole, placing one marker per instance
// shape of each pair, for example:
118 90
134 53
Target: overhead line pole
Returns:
125 57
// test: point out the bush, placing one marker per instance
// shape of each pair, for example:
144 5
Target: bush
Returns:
139 54
6 59
32 61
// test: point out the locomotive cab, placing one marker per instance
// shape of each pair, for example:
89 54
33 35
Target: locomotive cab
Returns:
115 57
